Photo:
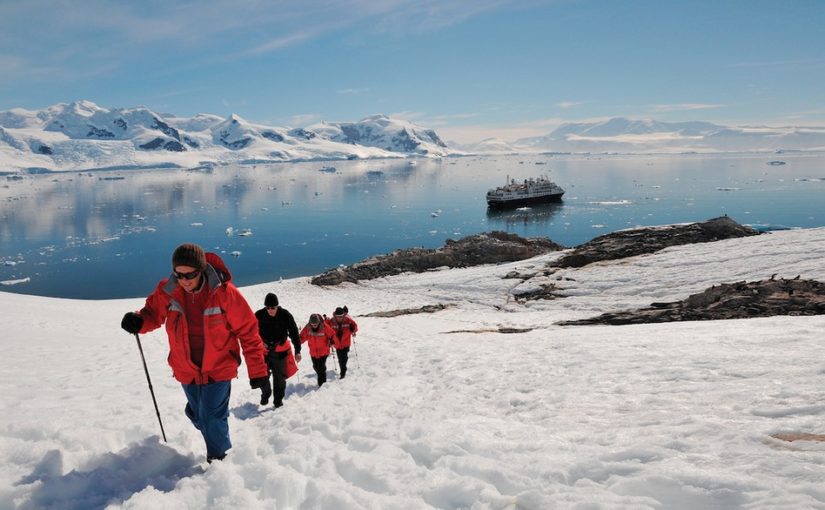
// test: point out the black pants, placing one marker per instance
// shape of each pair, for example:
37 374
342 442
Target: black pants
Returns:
277 365
320 367
342 354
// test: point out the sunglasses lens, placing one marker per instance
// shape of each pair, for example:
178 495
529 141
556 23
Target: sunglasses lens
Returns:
187 276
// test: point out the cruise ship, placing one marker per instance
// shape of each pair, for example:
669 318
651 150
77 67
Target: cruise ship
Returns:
529 191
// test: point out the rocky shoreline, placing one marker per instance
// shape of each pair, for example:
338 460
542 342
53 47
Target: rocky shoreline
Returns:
724 301
639 241
487 248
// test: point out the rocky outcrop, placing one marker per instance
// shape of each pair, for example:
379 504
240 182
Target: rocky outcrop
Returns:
627 243
740 300
410 311
487 248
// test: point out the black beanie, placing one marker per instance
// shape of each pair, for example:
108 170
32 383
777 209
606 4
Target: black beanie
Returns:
189 254
338 311
271 300
315 319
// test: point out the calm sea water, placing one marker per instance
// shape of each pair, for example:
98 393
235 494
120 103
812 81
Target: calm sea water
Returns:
110 234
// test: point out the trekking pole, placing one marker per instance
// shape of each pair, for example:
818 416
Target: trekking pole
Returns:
151 390
355 350
334 361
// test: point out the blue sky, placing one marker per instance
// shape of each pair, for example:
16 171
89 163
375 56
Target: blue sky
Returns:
468 68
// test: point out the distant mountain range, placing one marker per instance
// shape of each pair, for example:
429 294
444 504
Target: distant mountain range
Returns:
627 135
82 135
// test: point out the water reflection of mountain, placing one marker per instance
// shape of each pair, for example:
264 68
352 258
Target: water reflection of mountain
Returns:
541 213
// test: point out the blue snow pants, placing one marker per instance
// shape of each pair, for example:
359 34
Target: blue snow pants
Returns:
208 408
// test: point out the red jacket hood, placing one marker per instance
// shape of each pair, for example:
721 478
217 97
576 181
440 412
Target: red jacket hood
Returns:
214 260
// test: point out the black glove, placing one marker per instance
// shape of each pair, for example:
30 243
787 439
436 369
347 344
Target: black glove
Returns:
132 323
262 383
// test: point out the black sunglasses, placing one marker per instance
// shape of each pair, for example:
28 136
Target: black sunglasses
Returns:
272 307
187 276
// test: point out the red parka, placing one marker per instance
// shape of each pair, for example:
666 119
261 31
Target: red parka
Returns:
318 340
229 327
343 327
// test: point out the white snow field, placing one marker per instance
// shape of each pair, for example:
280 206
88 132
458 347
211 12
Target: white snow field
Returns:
437 412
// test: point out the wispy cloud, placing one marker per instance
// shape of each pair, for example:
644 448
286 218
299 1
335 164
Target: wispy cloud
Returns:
303 119
678 107
354 91
280 43
569 104
119 31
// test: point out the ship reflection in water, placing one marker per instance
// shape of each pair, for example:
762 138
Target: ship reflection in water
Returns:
538 213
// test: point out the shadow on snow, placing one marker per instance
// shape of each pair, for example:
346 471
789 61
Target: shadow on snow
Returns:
108 479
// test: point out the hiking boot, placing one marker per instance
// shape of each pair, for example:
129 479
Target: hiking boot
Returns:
279 404
210 458
264 400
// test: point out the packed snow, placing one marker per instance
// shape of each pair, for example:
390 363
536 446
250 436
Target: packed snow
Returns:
441 410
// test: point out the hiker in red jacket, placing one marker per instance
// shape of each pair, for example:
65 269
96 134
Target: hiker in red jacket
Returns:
209 324
345 329
319 336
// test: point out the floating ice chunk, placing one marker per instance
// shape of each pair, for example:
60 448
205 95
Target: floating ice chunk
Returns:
235 253
229 231
196 224
10 263
722 188
434 214
16 282
522 209
598 225
246 232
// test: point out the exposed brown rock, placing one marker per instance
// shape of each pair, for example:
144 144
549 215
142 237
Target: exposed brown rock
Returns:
740 300
500 329
410 311
487 248
627 243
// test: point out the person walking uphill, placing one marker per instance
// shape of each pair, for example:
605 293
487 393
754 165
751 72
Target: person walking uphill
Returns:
344 328
319 336
275 324
208 323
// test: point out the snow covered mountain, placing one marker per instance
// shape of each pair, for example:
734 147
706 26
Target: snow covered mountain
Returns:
628 135
487 146
82 135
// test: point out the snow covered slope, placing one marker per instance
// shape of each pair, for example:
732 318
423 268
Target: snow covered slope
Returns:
441 410
82 135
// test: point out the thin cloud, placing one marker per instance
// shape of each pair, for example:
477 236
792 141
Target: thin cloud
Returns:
354 91
303 119
569 104
282 42
678 107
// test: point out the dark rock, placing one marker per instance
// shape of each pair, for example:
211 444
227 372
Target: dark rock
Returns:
271 135
165 128
302 133
410 311
628 243
152 144
45 149
545 291
100 133
488 248
500 329
120 123
174 146
191 143
739 300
